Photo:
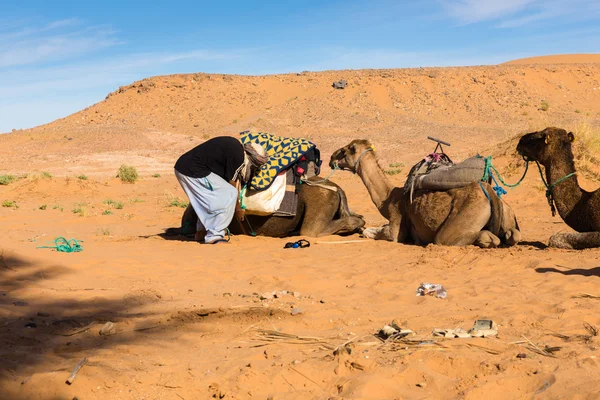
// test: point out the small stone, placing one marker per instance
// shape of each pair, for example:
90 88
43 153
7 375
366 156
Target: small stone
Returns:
108 329
297 311
227 294
322 301
296 362
31 325
421 384
266 296
20 303
521 355
296 294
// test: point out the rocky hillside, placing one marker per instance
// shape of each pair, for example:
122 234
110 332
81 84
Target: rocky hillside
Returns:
465 105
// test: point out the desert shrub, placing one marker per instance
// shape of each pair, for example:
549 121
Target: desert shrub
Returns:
114 204
175 202
57 207
127 174
43 206
9 203
395 169
156 175
46 175
103 232
6 179
106 212
544 105
80 209
82 177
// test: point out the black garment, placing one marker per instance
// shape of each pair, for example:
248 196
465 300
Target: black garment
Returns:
222 155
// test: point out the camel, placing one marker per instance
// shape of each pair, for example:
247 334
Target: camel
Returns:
457 217
320 212
579 209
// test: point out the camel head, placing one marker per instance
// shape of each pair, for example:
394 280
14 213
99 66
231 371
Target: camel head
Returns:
545 145
348 156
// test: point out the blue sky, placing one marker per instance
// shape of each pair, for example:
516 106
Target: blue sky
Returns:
61 56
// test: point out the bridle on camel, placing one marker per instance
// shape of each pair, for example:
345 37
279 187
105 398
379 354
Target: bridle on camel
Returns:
550 186
372 148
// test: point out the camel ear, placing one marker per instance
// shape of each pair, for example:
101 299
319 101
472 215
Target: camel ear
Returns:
571 136
352 148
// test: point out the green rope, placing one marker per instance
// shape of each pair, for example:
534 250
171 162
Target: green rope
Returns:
63 245
490 170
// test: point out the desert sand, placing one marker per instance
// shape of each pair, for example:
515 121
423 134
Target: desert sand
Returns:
190 322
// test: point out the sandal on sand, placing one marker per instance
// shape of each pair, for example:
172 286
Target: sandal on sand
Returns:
218 241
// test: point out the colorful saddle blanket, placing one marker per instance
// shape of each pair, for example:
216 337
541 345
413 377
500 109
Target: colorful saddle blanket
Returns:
282 152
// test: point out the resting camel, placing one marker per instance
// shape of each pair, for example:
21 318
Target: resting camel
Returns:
456 217
578 208
320 212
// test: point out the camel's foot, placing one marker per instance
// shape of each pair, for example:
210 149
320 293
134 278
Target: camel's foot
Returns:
371 233
512 237
380 233
575 241
487 240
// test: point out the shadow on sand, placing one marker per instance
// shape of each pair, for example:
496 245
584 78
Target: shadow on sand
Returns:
571 271
46 333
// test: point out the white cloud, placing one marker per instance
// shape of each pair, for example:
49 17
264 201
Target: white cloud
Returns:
471 11
57 40
516 13
52 70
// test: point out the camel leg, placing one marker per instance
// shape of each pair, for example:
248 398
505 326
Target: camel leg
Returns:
576 241
389 232
464 226
344 208
512 237
347 225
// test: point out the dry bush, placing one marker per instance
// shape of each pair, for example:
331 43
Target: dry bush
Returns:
586 149
128 174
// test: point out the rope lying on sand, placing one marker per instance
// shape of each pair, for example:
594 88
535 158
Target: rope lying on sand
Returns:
63 245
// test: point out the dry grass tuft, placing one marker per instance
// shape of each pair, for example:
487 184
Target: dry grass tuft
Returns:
586 149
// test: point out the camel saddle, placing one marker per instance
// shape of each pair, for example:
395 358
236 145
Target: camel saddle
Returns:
438 172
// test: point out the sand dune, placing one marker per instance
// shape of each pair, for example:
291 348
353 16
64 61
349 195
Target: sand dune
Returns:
558 59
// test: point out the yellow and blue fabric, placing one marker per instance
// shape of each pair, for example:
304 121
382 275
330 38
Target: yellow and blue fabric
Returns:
282 152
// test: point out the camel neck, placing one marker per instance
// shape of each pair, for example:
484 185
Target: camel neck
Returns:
375 181
566 193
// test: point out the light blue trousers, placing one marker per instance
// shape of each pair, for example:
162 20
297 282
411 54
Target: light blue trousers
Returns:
213 199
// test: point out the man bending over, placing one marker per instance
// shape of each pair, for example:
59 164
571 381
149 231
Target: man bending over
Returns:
211 175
